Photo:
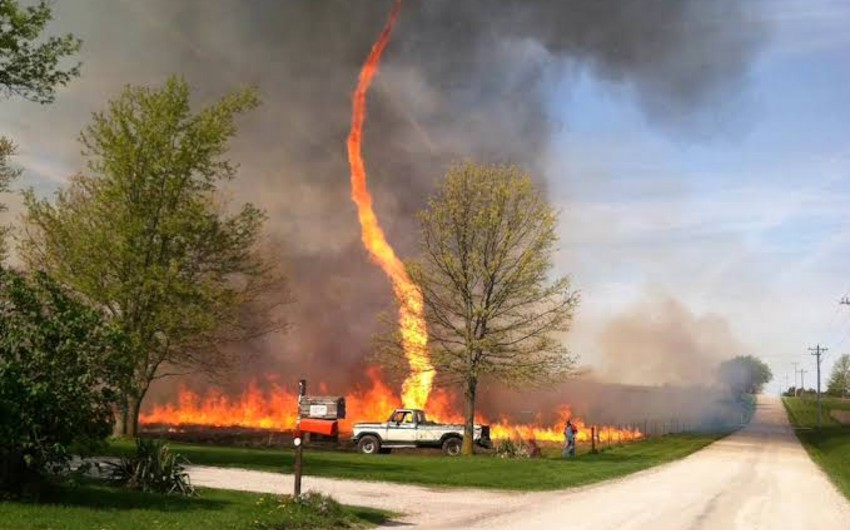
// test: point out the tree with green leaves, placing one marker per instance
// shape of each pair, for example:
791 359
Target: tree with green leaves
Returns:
146 236
745 374
29 68
8 173
839 380
30 65
61 366
493 312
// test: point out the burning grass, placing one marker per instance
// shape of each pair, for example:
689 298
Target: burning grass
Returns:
274 407
536 474
829 446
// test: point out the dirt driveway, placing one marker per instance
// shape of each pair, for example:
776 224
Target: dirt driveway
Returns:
758 478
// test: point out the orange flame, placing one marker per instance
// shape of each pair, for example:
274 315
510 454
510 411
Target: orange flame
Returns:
414 334
276 409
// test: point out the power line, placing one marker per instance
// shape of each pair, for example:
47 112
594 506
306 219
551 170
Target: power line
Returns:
817 351
843 301
796 388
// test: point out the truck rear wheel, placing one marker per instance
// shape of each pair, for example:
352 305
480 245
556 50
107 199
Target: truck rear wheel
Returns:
452 446
369 445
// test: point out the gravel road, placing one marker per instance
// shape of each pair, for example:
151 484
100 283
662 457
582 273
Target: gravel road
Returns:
758 478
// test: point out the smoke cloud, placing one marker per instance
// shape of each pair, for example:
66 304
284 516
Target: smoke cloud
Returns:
661 342
460 80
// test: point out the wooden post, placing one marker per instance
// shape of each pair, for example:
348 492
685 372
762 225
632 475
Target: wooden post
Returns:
593 439
299 442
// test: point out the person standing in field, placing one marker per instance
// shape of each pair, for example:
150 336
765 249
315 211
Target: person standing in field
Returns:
569 440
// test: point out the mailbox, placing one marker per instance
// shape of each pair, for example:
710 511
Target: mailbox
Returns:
323 427
321 407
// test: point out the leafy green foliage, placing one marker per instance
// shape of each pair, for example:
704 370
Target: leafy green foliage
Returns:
839 380
487 241
153 468
146 237
29 64
745 374
7 174
60 371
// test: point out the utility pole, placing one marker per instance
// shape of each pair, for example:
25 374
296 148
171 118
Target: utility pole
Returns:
802 384
786 381
817 351
796 388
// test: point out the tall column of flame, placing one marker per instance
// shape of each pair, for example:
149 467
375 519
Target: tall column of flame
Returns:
414 334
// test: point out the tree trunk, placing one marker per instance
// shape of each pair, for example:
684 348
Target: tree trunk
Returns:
127 417
119 428
469 413
132 422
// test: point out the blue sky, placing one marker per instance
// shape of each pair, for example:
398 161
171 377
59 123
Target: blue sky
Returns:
744 218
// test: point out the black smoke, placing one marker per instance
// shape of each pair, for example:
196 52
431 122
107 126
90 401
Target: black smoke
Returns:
460 79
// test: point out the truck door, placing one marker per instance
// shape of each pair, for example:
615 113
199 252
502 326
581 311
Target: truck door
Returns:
402 428
424 434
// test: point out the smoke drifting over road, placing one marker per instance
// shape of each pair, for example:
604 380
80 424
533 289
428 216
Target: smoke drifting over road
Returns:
661 342
464 79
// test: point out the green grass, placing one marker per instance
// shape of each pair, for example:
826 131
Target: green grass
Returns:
96 506
479 472
829 446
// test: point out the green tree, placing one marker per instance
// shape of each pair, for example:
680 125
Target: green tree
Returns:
7 174
29 64
745 374
29 67
61 366
487 240
839 380
146 238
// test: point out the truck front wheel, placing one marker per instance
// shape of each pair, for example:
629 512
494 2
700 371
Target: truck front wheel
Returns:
369 445
451 447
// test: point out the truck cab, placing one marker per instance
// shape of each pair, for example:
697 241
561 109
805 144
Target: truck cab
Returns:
410 428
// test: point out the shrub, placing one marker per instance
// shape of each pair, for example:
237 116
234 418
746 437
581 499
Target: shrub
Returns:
60 370
153 468
508 448
309 510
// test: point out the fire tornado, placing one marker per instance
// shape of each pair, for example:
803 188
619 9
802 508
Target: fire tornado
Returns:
411 318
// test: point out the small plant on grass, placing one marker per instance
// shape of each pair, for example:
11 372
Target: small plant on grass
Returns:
153 468
309 510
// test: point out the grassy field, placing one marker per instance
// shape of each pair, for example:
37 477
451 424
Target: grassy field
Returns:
829 446
99 507
548 473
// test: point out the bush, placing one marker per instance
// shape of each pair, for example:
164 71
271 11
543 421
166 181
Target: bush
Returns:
153 468
310 510
60 370
508 448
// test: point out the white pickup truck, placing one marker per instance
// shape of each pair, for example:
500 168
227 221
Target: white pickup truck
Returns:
409 428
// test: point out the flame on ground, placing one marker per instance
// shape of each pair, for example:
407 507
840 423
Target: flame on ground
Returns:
414 334
276 409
